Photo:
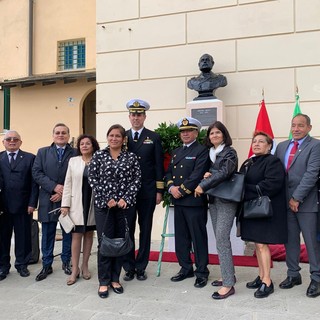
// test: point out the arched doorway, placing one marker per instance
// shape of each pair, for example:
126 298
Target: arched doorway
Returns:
89 114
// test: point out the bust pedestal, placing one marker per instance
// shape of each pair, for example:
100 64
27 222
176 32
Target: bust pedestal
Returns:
206 111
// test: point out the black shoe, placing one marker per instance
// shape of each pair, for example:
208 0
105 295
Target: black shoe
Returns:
201 282
181 276
3 275
264 290
313 289
141 275
290 282
44 273
255 284
217 296
218 283
103 294
129 275
23 271
66 268
117 290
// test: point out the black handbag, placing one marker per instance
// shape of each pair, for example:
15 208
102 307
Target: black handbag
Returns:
231 189
115 247
258 208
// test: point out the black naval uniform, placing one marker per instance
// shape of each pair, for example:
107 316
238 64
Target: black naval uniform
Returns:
149 151
186 170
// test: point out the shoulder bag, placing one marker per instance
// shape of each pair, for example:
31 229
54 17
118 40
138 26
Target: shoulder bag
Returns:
115 247
258 208
231 189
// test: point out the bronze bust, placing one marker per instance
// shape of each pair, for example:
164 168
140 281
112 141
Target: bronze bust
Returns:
207 82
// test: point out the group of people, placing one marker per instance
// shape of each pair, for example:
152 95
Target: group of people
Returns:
100 189
289 178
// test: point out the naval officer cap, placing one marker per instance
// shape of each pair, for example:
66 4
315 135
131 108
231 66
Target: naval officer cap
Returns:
137 106
188 123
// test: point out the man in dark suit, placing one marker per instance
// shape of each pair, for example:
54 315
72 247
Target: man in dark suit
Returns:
301 159
146 144
49 171
188 165
19 197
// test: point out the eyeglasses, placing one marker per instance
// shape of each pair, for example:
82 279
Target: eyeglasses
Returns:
60 132
12 139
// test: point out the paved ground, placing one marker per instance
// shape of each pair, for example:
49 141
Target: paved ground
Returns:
155 298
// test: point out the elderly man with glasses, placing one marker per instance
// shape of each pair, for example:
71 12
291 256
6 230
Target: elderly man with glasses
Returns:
19 196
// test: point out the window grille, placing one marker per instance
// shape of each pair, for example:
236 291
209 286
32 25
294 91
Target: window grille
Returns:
71 55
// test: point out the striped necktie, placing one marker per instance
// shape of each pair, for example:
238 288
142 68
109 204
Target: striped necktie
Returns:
292 153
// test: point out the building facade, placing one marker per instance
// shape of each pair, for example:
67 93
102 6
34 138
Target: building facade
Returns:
47 68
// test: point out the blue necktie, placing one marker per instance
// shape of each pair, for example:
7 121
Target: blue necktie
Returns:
60 153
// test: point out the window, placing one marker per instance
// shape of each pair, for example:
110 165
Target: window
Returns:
71 54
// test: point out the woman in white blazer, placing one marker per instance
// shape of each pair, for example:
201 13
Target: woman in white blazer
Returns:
77 202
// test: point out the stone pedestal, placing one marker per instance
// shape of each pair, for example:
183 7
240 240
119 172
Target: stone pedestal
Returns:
206 111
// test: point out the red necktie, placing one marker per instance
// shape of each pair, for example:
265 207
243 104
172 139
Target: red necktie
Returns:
292 153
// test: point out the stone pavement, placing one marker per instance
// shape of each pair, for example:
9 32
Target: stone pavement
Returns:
155 298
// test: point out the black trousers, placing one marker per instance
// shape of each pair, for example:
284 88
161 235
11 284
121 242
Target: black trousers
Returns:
190 229
109 268
144 209
21 224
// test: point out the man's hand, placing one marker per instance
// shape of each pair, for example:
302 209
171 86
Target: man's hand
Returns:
58 189
175 192
158 198
294 205
30 210
56 197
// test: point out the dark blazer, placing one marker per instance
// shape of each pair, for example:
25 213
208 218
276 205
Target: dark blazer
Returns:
19 189
302 177
150 156
48 172
186 170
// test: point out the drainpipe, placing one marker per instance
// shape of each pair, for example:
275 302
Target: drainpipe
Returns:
6 109
30 57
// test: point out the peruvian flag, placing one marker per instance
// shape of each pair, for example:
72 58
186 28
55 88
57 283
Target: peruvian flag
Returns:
263 124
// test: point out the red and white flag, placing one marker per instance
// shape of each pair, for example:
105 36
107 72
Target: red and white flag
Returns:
263 124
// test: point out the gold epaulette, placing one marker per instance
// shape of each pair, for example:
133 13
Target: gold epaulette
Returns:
185 189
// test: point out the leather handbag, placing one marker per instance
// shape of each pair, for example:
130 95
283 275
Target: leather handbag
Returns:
115 247
66 223
258 208
231 189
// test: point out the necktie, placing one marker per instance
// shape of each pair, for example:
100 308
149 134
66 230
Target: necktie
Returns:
185 147
292 153
12 154
60 154
136 136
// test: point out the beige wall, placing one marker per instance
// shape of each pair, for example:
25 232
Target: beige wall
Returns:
13 38
61 20
40 108
53 21
35 109
150 48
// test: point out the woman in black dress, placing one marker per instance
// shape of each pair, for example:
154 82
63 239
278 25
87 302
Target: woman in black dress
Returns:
77 201
267 172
